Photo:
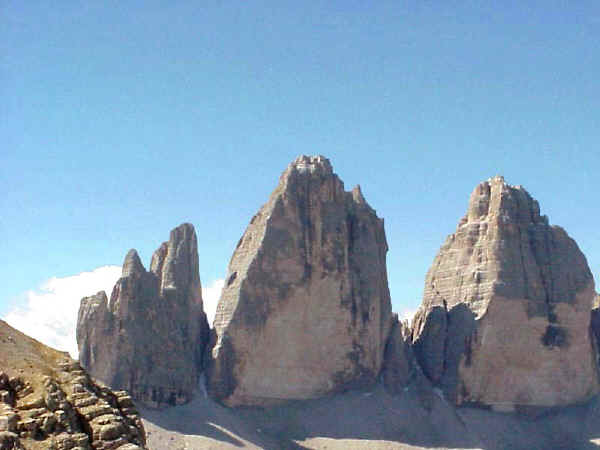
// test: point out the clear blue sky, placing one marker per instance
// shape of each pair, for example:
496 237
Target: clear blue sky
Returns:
120 120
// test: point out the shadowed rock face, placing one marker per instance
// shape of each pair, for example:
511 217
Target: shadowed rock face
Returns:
399 366
595 325
149 339
306 309
505 316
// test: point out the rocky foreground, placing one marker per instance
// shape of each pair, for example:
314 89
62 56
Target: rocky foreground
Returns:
47 401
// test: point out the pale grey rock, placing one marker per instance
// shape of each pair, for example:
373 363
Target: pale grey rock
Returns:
506 308
305 310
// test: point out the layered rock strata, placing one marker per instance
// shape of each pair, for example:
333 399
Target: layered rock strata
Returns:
150 337
305 310
505 318
48 401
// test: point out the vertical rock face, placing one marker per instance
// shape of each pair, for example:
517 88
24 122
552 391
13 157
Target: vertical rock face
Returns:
595 325
306 308
505 319
149 339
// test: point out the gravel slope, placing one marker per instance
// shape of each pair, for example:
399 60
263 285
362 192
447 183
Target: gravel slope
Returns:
417 419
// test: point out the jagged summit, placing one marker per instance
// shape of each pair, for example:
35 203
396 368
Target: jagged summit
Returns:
175 262
307 173
132 264
510 249
150 338
311 164
495 199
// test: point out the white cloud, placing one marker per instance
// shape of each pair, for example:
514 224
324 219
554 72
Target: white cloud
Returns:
49 313
407 314
210 297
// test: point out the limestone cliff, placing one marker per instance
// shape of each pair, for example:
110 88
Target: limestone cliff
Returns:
505 317
305 310
149 339
48 401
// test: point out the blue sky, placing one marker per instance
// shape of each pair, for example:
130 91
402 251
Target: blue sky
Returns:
120 120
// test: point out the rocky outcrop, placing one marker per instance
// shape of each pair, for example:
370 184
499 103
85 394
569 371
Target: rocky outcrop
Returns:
150 337
48 401
505 317
305 309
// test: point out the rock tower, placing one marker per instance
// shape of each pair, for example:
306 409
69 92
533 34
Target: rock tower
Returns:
505 318
305 310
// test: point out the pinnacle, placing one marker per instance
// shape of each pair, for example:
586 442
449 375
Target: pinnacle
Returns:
132 264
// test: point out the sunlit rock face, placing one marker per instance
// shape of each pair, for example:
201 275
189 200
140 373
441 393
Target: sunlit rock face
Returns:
305 310
505 318
150 338
47 401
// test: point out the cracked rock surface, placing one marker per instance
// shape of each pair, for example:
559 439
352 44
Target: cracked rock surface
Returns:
47 401
505 317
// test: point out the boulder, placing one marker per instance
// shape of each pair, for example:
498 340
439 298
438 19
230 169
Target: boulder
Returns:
505 317
305 310
149 338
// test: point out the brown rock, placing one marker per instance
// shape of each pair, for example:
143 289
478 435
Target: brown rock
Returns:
306 308
42 379
506 308
149 339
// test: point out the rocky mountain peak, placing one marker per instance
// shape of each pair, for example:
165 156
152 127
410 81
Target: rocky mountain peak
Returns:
175 262
496 200
150 340
132 266
506 272
311 165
